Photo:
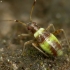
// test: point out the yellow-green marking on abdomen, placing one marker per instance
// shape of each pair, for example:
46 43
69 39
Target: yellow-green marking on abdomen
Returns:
49 42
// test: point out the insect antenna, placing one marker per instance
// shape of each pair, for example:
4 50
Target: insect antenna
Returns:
30 15
32 10
15 21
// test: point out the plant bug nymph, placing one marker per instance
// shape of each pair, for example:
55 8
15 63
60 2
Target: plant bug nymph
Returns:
45 41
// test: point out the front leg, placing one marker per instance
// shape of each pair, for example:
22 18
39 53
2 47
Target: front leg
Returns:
26 43
24 46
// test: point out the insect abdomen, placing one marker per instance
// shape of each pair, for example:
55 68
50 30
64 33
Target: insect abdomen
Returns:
48 42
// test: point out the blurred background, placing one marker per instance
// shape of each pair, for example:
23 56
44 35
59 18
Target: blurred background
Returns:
45 12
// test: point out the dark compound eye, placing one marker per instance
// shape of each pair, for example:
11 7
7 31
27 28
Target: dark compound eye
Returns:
29 28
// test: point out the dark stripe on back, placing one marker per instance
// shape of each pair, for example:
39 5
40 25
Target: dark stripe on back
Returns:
42 36
57 47
53 51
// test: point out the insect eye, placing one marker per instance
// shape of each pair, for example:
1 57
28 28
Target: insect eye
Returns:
29 27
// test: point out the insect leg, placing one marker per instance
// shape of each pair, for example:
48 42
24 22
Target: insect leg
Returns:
49 26
65 36
59 31
26 43
35 45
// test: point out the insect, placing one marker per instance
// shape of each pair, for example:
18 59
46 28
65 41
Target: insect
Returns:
44 41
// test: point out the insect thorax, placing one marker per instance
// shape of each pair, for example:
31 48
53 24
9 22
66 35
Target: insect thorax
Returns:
33 27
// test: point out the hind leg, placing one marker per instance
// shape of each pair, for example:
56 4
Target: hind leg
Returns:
64 33
36 46
26 43
57 32
50 26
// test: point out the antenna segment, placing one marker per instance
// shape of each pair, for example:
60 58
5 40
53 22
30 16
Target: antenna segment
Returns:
32 10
